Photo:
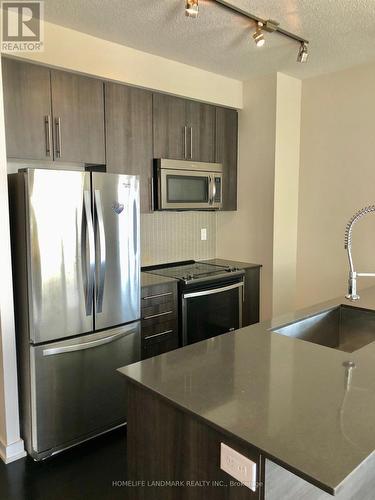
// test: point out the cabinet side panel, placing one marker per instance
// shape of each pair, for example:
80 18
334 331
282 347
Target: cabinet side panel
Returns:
173 445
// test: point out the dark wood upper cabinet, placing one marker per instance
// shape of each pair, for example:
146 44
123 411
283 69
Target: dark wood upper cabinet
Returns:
183 129
27 109
170 127
78 118
61 116
226 153
201 136
129 136
52 115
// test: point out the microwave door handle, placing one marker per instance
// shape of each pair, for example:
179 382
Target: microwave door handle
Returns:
213 190
102 252
89 236
210 191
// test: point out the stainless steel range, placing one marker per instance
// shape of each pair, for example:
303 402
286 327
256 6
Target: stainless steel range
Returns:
210 296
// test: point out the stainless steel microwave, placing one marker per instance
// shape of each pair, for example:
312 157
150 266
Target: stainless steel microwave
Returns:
188 185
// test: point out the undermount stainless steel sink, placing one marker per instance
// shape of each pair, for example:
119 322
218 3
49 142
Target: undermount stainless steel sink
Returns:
344 328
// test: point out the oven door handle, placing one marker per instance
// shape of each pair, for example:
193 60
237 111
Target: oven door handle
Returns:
213 291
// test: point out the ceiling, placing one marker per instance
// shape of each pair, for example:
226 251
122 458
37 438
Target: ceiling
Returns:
341 32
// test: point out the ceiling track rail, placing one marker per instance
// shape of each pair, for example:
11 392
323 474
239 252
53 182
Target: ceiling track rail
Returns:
274 26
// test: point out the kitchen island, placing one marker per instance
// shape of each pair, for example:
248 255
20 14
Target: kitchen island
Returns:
303 413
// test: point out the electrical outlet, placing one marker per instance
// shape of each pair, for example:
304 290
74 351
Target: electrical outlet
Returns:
203 234
236 465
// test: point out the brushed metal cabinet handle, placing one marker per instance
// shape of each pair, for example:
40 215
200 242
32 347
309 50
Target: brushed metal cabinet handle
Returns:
185 142
191 143
149 297
158 315
152 201
58 137
47 130
167 332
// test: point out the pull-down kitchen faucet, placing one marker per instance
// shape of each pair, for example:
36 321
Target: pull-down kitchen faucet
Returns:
353 275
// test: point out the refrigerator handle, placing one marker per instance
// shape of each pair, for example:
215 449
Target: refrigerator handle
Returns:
102 252
87 345
90 274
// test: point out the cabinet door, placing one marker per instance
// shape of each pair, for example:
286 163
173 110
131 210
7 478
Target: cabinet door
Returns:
78 118
129 136
226 153
27 107
250 314
170 127
201 137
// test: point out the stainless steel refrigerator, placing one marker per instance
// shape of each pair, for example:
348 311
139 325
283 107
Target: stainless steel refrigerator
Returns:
76 266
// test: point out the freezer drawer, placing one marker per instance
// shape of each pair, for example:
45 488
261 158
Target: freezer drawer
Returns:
75 390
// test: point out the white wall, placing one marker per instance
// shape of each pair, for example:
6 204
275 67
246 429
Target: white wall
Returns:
287 157
264 229
70 49
247 235
11 446
337 177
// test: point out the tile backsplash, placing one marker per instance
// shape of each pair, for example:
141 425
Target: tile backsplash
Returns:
175 236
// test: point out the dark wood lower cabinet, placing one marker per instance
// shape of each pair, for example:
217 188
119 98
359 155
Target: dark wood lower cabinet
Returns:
250 310
159 313
165 443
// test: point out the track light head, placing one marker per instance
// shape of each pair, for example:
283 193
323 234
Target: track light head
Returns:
192 8
258 36
303 53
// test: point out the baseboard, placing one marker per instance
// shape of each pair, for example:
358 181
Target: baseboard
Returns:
12 452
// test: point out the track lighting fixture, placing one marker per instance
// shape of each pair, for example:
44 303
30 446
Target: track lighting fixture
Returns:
259 36
192 8
303 53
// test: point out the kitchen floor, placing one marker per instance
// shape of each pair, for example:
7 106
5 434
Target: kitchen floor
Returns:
84 472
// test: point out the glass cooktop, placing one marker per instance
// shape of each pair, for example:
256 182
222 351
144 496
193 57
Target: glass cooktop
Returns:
191 270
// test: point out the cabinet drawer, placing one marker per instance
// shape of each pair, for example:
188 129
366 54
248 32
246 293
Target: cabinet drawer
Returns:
158 343
159 312
154 297
154 331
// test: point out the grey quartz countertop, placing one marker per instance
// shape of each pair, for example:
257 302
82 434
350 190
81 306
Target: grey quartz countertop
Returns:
148 279
285 396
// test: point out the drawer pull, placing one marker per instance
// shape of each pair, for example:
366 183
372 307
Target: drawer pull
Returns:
149 297
158 315
158 334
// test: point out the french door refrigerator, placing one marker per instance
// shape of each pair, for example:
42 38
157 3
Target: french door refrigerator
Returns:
76 265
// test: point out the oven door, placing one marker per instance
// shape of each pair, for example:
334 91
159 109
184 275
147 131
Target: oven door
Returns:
187 190
210 312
